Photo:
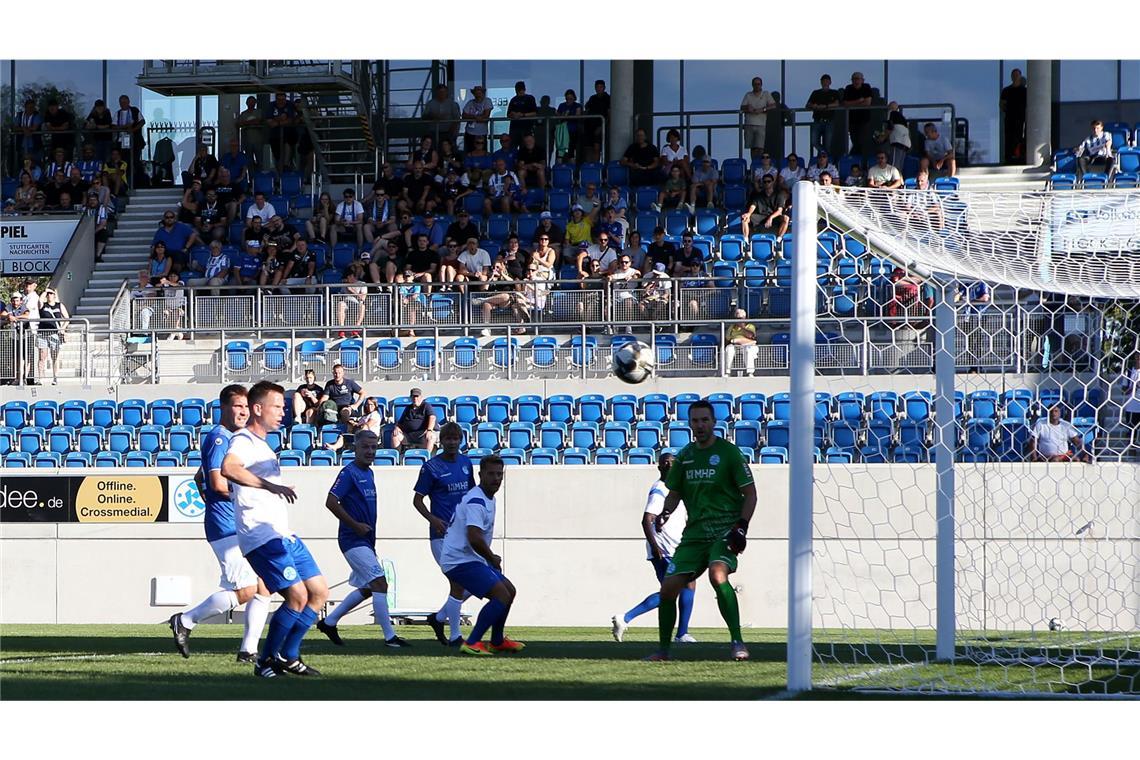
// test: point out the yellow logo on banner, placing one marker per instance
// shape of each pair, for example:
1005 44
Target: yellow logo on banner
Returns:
119 499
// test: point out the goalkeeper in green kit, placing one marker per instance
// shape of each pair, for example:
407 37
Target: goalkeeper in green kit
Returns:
713 479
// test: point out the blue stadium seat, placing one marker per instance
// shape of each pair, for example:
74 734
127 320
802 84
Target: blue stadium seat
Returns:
591 407
649 434
622 407
77 459
415 457
311 352
512 456
616 435
880 433
641 455
504 352
778 433
1128 161
666 348
676 222
138 459
984 404
590 173
560 201
1062 181
704 348
489 435
837 455
707 221
192 411
168 459
521 435
910 454
1017 403
609 455
466 409
397 406
553 435
525 226
576 456
560 408
151 438
73 413
851 407
722 404
1094 181
291 183
31 439
346 457
646 221
263 182
48 459
464 353
497 409
763 247
291 458
91 439
528 408
109 459
61 439
17 459
543 352
7 439
343 255
655 407
582 351
751 406
476 455
543 456
679 405
844 434
132 411
162 411
774 455
275 439
746 433
44 413
237 355
918 406
780 406
616 174
584 435
678 434
562 177
1012 439
387 458
302 438
734 171
732 247
498 227
980 432
1088 429
441 405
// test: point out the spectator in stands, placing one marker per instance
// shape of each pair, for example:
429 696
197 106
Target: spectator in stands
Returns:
569 107
379 217
372 420
643 161
281 118
430 228
417 425
76 185
192 197
1051 439
975 294
551 231
272 269
792 173
39 203
455 188
1013 104
655 293
705 181
178 238
237 164
897 135
60 162
827 181
508 293
857 96
25 193
499 189
765 169
116 169
940 152
855 178
520 109
29 124
589 201
216 270
261 208
578 229
54 189
615 200
249 123
1130 412
673 192
31 165
422 261
687 258
419 189
462 228
345 439
386 260
1096 149
52 334
339 393
673 153
247 266
349 219
544 255
636 250
531 163
356 296
160 264
515 255
230 194
212 222
613 227
624 280
388 183
765 212
508 151
443 112
301 266
602 253
822 104
89 165
593 129
923 206
129 122
755 106
742 337
660 251
285 234
324 217
882 174
449 158
449 266
426 154
306 400
476 114
822 166
475 262
204 167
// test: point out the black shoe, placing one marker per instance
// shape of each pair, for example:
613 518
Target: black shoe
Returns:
330 631
396 642
437 629
266 668
181 634
295 667
247 657
456 642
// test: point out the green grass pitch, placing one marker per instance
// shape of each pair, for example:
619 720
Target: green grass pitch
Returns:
138 662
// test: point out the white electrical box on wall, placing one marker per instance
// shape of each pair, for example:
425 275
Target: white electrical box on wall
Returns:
171 590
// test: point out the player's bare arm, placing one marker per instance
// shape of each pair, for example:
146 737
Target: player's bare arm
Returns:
479 546
235 471
438 526
648 524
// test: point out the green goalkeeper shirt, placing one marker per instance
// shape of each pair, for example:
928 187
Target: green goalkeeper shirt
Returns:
709 481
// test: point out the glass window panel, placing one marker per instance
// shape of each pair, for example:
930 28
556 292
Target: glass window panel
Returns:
82 79
122 79
1130 80
719 86
971 86
1088 80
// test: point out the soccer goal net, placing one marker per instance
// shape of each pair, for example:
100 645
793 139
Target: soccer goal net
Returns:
963 428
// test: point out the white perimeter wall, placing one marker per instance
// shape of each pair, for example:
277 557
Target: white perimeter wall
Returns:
570 539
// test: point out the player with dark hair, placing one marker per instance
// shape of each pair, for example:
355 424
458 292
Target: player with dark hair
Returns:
352 500
468 561
445 479
240 584
712 477
278 556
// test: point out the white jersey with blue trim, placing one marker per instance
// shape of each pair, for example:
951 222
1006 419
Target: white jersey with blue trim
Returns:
261 516
476 509
670 534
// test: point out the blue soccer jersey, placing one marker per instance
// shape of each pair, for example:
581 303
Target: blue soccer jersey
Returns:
219 507
445 484
355 486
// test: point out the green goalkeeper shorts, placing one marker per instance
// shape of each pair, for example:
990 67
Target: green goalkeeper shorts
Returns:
693 557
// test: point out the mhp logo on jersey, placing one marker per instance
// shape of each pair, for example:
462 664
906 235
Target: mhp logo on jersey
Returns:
186 502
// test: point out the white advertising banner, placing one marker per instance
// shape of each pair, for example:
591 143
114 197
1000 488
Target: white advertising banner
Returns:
33 247
1096 221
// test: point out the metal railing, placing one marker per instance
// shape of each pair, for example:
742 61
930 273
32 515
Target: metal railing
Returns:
41 146
29 352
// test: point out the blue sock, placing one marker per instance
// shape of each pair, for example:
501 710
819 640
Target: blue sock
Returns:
491 612
649 603
497 632
280 625
687 595
291 649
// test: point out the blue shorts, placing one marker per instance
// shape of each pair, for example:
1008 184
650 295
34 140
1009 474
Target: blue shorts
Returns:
659 567
282 563
476 578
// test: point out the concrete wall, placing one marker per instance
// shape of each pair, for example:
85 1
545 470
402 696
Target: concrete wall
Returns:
570 541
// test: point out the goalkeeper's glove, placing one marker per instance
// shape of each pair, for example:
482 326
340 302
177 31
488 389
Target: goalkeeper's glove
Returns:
737 538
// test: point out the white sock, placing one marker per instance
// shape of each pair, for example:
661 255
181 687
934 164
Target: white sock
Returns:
215 604
380 608
454 608
256 612
351 602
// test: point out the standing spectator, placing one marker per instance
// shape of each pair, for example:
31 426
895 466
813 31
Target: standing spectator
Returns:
306 399
519 109
569 144
742 337
705 181
822 103
822 166
60 125
1051 438
593 129
249 124
443 112
1130 413
1013 105
1096 149
129 122
99 213
349 219
355 295
417 425
777 126
477 114
29 123
216 270
857 96
898 135
883 174
98 126
178 237
52 333
673 153
281 118
237 164
940 151
792 173
261 208
755 106
642 159
531 163
765 212
544 129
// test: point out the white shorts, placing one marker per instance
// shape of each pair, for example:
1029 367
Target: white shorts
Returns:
236 570
365 566
437 549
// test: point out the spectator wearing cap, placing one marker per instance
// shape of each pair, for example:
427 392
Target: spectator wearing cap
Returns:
462 228
882 174
531 164
520 109
429 227
247 269
822 166
822 104
940 151
792 173
554 234
578 229
349 219
704 185
443 112
416 427
660 250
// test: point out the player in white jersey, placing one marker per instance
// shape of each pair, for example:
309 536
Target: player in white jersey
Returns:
468 561
276 554
659 546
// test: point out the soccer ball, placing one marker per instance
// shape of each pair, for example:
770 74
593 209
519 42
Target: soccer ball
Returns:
633 362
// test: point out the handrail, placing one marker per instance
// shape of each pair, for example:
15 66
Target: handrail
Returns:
450 128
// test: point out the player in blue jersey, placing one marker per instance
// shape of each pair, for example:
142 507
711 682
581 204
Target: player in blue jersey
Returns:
240 584
352 500
467 560
445 479
659 546
274 551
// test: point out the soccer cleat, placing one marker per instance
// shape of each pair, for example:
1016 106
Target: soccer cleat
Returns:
739 651
247 657
266 668
437 629
508 646
478 648
685 639
619 626
330 631
456 642
295 667
397 643
657 657
181 634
